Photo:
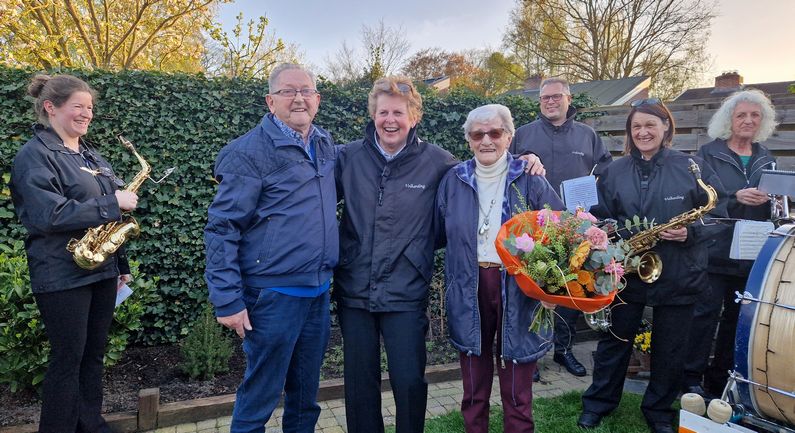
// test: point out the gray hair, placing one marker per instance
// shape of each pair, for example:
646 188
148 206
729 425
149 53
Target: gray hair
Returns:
720 126
487 113
556 80
273 78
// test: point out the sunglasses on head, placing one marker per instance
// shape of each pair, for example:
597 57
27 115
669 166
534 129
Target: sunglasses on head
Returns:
647 101
494 134
403 87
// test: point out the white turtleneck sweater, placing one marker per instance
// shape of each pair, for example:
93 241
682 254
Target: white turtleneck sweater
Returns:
490 181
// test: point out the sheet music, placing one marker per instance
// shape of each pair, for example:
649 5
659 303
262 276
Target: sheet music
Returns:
123 294
579 192
749 237
777 182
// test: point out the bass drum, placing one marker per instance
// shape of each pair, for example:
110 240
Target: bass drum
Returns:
764 354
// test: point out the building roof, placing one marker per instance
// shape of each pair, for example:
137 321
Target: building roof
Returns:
603 92
778 88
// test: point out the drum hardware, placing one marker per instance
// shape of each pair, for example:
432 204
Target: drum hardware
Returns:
738 378
746 298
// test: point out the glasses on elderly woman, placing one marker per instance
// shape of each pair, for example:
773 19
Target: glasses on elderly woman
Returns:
647 101
494 134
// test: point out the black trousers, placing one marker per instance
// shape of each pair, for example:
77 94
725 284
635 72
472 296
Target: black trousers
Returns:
715 306
565 328
404 340
667 359
77 322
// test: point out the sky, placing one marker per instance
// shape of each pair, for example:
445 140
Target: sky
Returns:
754 37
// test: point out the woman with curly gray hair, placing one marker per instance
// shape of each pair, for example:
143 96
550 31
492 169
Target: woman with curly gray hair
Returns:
744 120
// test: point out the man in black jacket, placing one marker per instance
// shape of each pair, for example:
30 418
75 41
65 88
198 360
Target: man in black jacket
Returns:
568 149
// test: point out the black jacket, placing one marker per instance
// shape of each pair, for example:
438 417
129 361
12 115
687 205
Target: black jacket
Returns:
570 150
56 201
386 233
734 177
670 190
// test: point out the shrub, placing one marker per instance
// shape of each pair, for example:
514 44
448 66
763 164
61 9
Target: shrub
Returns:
206 350
23 341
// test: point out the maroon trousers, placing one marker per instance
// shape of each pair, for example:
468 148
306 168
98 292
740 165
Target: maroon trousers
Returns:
516 380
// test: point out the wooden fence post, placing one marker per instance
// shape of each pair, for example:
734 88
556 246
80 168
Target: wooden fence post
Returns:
148 405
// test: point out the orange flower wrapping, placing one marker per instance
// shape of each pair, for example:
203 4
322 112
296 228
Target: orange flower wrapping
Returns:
526 222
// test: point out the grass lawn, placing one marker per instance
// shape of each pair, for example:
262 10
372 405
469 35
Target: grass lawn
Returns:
553 415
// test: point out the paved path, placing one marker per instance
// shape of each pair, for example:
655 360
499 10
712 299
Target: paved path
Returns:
443 398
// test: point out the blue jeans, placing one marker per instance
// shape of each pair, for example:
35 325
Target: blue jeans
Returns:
284 351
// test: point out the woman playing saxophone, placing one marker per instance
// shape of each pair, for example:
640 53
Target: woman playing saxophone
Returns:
60 188
654 182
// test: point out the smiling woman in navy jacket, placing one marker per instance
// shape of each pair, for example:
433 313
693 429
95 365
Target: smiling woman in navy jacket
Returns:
57 197
652 181
484 305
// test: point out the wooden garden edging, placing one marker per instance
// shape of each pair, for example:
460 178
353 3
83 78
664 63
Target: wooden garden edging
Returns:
151 414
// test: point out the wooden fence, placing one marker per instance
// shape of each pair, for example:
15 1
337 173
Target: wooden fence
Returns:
691 120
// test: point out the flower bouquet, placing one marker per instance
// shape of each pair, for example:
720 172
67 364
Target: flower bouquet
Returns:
562 258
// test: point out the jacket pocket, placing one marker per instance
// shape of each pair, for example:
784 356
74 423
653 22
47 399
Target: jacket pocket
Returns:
263 258
421 257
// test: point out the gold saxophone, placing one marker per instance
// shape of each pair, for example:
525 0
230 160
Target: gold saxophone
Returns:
99 243
650 267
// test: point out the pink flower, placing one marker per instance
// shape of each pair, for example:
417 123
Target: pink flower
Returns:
525 243
614 268
597 237
583 215
545 216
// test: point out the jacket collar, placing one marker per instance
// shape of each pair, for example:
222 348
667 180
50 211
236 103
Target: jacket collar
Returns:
413 142
50 139
466 170
279 139
569 119
724 153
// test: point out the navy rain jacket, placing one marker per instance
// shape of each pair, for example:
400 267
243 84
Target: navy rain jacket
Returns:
457 218
735 177
670 191
386 234
273 220
57 201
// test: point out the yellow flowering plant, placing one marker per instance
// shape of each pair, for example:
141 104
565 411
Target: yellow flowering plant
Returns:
642 341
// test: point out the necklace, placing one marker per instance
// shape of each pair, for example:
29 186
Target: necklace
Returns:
483 230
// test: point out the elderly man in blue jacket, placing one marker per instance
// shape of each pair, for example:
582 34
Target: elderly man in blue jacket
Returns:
272 243
568 149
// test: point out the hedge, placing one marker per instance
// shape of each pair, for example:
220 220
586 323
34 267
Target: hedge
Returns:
182 121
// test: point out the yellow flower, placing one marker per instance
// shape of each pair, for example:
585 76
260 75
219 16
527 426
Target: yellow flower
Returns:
579 256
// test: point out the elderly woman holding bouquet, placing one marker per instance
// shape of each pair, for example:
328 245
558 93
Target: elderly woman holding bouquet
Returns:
474 199
654 182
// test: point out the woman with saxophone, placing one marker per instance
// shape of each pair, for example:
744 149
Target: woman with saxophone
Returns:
60 187
743 121
654 182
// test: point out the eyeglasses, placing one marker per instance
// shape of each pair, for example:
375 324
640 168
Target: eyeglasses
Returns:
554 98
494 134
647 101
290 93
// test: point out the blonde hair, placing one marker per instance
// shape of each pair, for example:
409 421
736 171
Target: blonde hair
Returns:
396 86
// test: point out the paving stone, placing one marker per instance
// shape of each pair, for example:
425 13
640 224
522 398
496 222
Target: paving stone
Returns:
170 429
323 423
224 428
206 424
208 430
223 421
333 429
186 428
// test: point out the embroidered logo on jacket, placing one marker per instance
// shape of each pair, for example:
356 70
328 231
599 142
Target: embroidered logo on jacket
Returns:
576 152
674 197
415 186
